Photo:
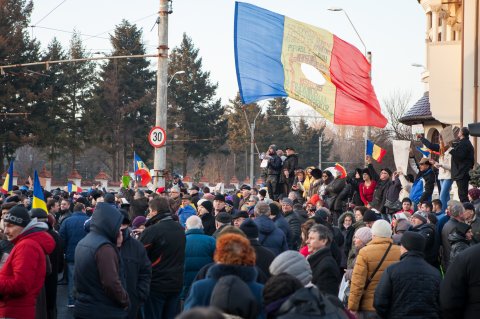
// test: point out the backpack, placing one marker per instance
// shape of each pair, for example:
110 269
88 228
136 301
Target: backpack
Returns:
310 303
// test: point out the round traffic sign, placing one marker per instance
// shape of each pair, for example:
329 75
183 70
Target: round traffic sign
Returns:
157 136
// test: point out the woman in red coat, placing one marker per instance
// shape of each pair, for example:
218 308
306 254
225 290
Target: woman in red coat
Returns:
23 275
367 187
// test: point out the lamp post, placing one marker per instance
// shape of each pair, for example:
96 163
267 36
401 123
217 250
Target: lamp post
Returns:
174 74
368 56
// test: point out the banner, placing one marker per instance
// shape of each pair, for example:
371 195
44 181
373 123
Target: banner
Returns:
401 151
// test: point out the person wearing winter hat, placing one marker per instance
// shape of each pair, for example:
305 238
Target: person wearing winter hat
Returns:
205 209
23 274
420 224
277 290
293 263
364 280
370 217
264 255
459 239
361 238
417 284
222 220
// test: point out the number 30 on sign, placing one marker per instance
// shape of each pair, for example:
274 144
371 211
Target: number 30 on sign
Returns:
157 137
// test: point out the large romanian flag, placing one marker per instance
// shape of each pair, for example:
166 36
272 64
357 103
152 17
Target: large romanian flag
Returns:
38 197
8 183
73 188
273 54
141 170
375 151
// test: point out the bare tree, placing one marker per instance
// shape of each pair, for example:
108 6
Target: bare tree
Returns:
395 107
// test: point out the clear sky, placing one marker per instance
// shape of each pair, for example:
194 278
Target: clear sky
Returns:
393 31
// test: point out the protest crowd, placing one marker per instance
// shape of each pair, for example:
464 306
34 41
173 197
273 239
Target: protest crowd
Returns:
311 243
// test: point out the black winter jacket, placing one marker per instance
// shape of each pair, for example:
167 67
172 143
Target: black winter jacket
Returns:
462 159
408 289
325 271
459 243
460 290
432 243
138 270
164 241
274 165
290 164
295 231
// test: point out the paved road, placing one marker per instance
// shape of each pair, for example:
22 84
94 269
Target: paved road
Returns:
62 297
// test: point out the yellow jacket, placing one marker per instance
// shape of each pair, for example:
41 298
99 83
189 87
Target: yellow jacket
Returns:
367 260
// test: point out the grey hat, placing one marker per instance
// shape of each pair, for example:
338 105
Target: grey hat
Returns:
223 217
287 201
420 215
292 263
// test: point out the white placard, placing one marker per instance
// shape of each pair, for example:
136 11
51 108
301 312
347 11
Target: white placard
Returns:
417 129
401 150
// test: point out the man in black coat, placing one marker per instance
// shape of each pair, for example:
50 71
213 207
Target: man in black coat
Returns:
456 211
460 290
420 225
290 164
164 241
411 287
264 255
274 166
463 159
138 269
325 272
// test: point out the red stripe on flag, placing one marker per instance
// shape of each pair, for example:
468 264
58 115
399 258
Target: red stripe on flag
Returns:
356 101
382 154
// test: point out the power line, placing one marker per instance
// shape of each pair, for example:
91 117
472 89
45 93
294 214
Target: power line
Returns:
134 21
71 32
49 12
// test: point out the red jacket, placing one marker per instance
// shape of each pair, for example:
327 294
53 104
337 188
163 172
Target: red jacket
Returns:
366 193
23 275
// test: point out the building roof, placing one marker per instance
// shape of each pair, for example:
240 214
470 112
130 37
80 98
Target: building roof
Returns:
419 112
102 175
74 174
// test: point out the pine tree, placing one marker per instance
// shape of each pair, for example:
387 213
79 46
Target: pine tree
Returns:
50 129
238 130
124 96
276 126
18 86
78 85
195 115
308 143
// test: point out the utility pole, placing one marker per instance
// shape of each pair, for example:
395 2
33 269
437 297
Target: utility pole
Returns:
160 157
320 140
252 150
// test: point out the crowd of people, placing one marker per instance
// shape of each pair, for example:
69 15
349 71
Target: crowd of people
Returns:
311 243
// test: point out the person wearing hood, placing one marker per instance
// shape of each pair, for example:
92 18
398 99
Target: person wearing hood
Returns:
99 270
411 287
270 236
290 164
459 239
264 255
23 274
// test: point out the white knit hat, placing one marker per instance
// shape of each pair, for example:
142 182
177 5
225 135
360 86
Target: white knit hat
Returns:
381 228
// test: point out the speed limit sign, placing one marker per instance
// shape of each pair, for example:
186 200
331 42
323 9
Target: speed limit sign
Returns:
157 137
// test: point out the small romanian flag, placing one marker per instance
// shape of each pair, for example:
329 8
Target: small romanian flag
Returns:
426 151
341 169
73 188
375 151
141 170
38 197
8 184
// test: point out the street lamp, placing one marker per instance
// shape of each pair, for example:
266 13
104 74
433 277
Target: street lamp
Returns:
368 56
336 9
176 73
